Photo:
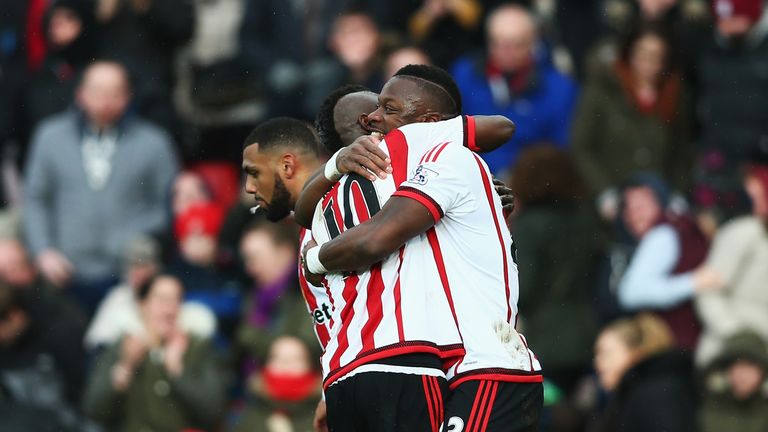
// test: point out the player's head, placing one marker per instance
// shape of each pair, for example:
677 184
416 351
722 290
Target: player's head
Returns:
343 116
278 157
416 94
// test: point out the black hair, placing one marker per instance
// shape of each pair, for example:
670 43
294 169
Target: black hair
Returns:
144 289
443 87
284 132
639 30
324 121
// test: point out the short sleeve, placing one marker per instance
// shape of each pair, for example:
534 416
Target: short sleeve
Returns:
470 141
440 181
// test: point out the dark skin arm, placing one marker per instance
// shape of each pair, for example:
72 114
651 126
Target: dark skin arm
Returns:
364 157
491 132
398 221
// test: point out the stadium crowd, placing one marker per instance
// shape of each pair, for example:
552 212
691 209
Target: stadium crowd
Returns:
138 293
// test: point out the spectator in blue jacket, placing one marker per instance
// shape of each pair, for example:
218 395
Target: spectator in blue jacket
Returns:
513 81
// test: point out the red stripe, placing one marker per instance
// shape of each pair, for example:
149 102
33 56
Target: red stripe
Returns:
338 215
374 307
428 154
435 212
359 201
430 407
331 193
437 155
438 255
471 143
347 313
498 377
330 299
525 342
483 409
436 408
504 251
440 404
397 295
490 406
480 395
320 329
397 146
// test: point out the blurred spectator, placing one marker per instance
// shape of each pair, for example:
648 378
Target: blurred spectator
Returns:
403 56
189 190
82 206
196 230
119 315
41 356
556 252
166 379
13 79
573 30
688 22
70 36
217 92
355 42
733 113
283 396
281 56
736 383
510 81
145 35
738 256
196 264
236 222
447 29
660 275
650 385
275 306
634 116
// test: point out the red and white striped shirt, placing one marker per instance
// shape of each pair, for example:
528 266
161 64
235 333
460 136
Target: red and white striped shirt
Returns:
446 291
318 303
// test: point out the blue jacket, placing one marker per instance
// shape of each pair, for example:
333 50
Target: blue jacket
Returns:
542 113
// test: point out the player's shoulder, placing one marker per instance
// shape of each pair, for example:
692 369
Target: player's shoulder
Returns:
443 125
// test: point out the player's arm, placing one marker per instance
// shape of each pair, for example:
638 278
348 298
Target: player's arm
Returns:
363 156
490 132
399 220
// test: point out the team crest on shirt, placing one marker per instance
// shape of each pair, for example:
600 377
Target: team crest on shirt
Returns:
421 175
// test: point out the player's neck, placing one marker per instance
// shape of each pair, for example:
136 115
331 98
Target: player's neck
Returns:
302 177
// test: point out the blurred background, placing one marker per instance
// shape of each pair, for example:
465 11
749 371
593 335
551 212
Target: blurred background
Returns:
137 293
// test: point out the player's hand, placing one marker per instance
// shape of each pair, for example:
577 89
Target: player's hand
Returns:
364 157
321 417
55 267
507 198
314 279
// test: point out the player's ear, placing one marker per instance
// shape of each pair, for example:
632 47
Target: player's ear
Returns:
287 165
431 117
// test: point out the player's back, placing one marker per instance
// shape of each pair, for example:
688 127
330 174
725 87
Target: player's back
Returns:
470 249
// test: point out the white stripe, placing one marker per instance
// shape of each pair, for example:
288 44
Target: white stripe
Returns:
408 370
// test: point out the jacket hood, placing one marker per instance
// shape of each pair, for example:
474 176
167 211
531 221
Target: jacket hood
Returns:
745 345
